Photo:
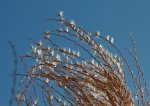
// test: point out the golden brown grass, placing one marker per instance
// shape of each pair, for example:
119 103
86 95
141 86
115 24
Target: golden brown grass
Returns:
81 73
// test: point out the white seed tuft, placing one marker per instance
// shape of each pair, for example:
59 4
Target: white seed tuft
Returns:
66 29
40 43
35 102
72 22
97 33
46 80
107 37
61 14
51 97
47 34
112 40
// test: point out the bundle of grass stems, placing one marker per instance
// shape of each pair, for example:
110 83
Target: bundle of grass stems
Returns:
71 67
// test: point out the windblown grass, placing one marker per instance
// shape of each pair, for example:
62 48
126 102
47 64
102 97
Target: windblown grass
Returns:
82 73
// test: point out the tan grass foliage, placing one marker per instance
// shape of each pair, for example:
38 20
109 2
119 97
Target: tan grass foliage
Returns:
82 73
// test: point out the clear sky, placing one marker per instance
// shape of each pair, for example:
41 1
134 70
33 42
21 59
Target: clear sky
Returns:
23 19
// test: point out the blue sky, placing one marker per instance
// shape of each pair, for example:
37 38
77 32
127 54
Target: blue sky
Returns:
23 19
